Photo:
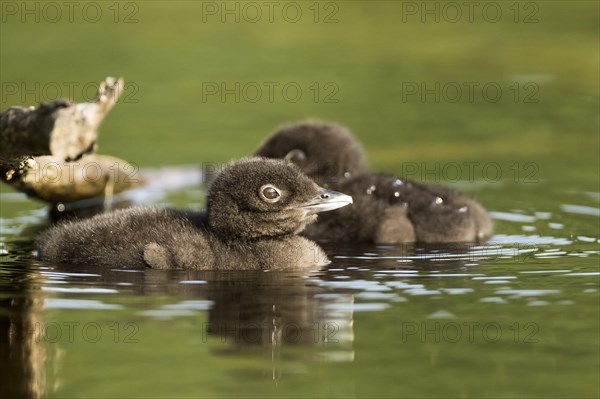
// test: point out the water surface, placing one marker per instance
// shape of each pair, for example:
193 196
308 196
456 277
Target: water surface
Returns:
516 317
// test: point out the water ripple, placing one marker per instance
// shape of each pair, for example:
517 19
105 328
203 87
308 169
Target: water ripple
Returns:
62 303
580 209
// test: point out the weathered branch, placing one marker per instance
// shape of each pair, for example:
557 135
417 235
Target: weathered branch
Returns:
44 151
58 128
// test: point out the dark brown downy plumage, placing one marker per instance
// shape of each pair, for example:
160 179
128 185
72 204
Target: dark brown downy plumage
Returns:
386 209
256 208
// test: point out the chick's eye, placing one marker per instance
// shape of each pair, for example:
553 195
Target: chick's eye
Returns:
270 193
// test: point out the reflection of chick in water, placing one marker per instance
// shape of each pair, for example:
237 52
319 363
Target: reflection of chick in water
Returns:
269 309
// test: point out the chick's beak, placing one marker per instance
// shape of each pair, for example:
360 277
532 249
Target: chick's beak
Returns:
327 200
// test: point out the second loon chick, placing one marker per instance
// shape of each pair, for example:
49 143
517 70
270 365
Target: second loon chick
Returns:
256 207
386 209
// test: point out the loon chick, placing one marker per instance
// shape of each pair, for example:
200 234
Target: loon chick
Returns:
386 209
255 209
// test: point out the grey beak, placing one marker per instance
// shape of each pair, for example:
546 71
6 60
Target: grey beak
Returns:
328 200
